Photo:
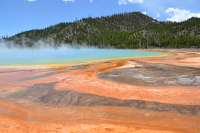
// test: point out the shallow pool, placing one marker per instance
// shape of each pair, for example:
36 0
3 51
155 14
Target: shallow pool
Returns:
64 55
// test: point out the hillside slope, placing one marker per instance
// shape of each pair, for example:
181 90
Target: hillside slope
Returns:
85 30
161 35
128 30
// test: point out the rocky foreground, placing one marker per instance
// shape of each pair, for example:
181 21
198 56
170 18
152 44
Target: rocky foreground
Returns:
139 95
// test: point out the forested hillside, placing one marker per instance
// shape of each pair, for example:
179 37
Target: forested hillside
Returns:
161 35
128 30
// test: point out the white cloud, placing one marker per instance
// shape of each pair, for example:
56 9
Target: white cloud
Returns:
69 0
179 15
91 0
158 15
145 13
120 2
31 0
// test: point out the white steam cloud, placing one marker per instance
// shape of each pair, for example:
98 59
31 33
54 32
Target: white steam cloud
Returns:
26 43
44 53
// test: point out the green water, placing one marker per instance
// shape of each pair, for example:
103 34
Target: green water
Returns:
64 55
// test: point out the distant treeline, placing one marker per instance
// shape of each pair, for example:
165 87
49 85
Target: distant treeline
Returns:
127 30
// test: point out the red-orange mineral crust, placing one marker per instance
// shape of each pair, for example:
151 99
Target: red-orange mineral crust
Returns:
102 97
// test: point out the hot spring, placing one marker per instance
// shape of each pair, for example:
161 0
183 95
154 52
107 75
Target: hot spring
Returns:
50 56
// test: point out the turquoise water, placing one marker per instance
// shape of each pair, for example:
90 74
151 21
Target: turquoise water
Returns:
64 55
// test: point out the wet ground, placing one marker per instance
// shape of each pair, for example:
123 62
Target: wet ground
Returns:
153 74
144 95
45 95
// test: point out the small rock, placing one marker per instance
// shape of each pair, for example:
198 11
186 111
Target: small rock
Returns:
185 81
170 82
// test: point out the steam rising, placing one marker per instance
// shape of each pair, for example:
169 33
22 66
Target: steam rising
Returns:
41 44
42 53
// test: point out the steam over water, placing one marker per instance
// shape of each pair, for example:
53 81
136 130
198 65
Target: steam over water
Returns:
63 55
25 56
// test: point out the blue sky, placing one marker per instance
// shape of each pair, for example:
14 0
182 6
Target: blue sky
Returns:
22 15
